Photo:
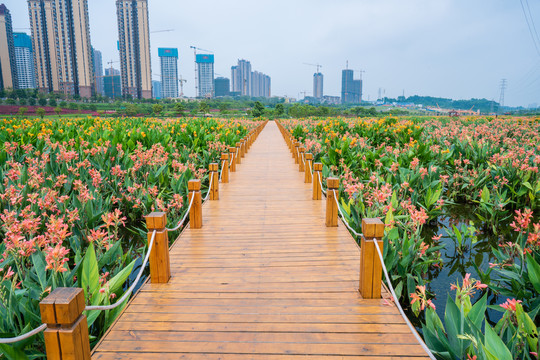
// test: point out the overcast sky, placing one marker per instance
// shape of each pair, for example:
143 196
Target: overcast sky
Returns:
448 48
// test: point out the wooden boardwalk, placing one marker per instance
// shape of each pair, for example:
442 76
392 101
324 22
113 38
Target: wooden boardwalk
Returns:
264 279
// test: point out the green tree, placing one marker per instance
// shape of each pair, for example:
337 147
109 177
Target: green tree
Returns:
32 101
52 102
40 112
179 108
280 110
132 110
258 109
58 110
223 107
22 111
157 109
204 107
42 101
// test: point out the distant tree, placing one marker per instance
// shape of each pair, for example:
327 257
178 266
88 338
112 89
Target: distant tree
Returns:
92 107
22 101
63 104
22 111
42 101
32 101
52 102
73 106
280 110
179 108
204 107
132 110
258 109
40 112
58 110
223 107
10 101
157 109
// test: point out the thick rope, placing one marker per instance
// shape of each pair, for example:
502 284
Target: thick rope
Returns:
132 287
320 182
222 167
411 327
184 218
209 186
23 336
232 159
343 216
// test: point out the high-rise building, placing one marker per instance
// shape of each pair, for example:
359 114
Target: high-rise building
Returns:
318 85
241 78
169 72
156 89
26 73
61 43
260 84
222 86
351 89
205 72
8 63
112 83
134 45
98 70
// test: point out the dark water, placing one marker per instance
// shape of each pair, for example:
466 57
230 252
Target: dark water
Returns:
456 265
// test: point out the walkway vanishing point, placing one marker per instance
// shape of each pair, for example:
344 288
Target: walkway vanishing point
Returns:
263 279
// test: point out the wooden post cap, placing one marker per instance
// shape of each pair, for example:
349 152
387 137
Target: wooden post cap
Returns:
194 185
238 144
232 149
156 220
372 228
317 167
309 156
225 156
332 183
302 149
63 306
214 167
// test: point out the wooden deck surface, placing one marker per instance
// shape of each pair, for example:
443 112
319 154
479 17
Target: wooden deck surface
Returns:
264 279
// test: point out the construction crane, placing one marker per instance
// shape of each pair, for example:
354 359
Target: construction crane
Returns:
182 81
317 65
195 60
159 31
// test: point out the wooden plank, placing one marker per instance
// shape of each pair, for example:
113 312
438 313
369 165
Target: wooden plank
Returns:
264 279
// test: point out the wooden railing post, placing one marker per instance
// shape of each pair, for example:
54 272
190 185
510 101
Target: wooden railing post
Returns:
370 263
195 214
238 155
243 148
225 167
309 160
332 185
317 178
295 151
66 336
160 268
301 160
214 173
232 152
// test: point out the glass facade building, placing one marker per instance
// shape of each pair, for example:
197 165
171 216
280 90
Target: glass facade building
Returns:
205 72
169 72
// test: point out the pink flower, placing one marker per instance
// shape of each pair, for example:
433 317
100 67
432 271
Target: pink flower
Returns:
414 163
510 305
56 258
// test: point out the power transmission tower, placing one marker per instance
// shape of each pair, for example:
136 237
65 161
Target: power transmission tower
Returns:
501 98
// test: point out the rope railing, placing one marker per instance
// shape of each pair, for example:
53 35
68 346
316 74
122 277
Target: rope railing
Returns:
23 336
320 182
233 157
343 216
132 287
184 218
392 291
209 187
221 172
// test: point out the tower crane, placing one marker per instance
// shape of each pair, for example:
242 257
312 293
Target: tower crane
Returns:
195 61
317 65
159 31
182 81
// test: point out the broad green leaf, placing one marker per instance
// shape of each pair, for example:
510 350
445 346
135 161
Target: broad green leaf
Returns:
534 272
39 267
116 283
495 346
90 274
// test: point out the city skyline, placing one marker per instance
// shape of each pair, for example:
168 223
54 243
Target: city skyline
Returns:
450 49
